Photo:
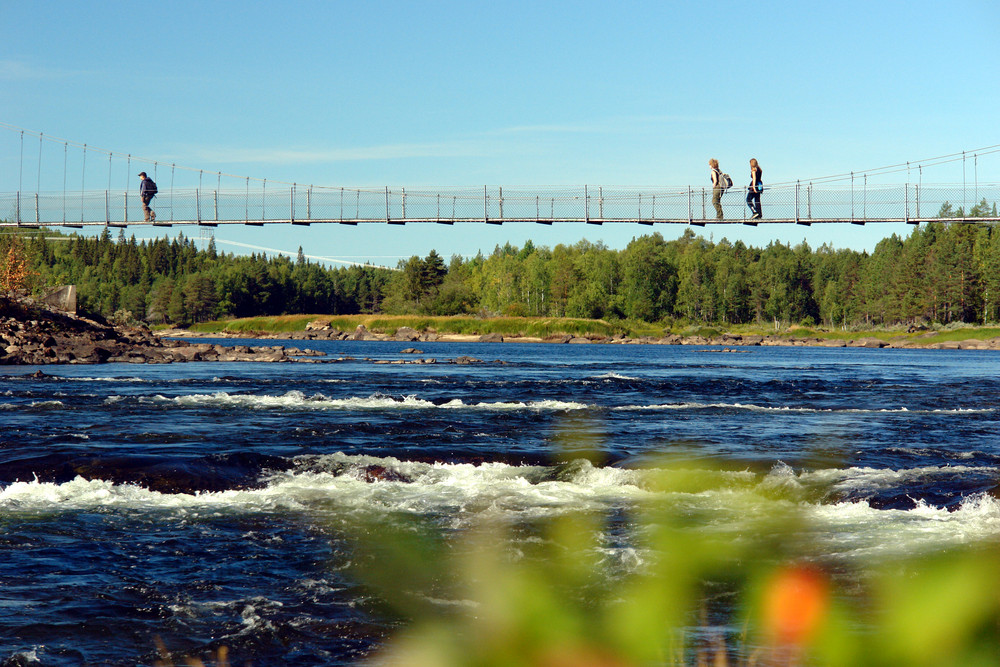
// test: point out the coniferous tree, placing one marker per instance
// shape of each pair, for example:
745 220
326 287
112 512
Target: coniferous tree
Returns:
942 272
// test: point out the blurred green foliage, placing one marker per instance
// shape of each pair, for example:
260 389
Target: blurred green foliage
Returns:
502 593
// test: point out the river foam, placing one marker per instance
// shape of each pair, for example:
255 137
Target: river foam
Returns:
465 493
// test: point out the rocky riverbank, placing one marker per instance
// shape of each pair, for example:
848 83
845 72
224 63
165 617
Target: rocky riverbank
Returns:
32 333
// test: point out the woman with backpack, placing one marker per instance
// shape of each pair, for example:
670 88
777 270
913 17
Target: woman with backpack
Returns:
753 190
718 187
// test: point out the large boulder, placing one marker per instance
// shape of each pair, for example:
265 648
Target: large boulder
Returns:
318 325
362 333
876 343
407 334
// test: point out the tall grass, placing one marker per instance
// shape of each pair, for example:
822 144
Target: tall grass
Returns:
548 327
535 327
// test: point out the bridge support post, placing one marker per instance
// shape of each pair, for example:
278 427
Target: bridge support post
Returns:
486 209
852 196
916 197
125 206
652 215
807 222
906 202
808 219
38 218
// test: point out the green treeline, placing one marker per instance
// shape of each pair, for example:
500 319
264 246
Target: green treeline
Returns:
173 281
940 273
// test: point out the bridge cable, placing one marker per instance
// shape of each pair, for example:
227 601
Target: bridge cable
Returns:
38 183
885 170
65 159
896 168
83 181
172 169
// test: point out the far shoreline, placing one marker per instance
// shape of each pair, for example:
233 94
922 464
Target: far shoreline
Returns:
928 340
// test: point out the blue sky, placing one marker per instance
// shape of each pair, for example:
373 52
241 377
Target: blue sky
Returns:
420 94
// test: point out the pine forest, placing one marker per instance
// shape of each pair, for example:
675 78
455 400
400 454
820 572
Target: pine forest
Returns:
940 273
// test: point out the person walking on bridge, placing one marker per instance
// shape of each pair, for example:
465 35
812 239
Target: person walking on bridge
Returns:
717 188
147 190
753 190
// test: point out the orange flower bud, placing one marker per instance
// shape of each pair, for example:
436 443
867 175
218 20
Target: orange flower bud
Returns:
795 604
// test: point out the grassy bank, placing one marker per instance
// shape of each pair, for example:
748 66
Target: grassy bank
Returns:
927 336
544 327
536 327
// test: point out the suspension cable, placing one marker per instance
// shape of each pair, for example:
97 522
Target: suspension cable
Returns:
885 170
896 168
38 183
20 166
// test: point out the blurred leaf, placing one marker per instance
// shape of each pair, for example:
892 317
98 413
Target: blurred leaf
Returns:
934 612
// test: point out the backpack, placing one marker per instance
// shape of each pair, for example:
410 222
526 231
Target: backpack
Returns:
725 182
151 188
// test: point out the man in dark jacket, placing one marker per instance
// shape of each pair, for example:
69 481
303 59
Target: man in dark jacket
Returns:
147 190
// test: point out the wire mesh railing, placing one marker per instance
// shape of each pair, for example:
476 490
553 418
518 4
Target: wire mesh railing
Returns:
802 203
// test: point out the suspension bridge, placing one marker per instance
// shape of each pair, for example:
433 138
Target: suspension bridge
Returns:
853 198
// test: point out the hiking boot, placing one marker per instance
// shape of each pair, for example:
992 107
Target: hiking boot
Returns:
152 216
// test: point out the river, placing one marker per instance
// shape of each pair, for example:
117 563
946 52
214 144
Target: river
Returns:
202 505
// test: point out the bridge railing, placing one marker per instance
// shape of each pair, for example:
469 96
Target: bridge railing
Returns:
798 202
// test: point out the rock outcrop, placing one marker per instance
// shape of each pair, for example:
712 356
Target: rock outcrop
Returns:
32 333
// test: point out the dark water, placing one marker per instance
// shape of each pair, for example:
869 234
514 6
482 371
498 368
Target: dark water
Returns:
204 504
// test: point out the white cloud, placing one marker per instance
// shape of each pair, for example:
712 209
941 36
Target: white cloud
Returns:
615 124
15 70
520 140
445 149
